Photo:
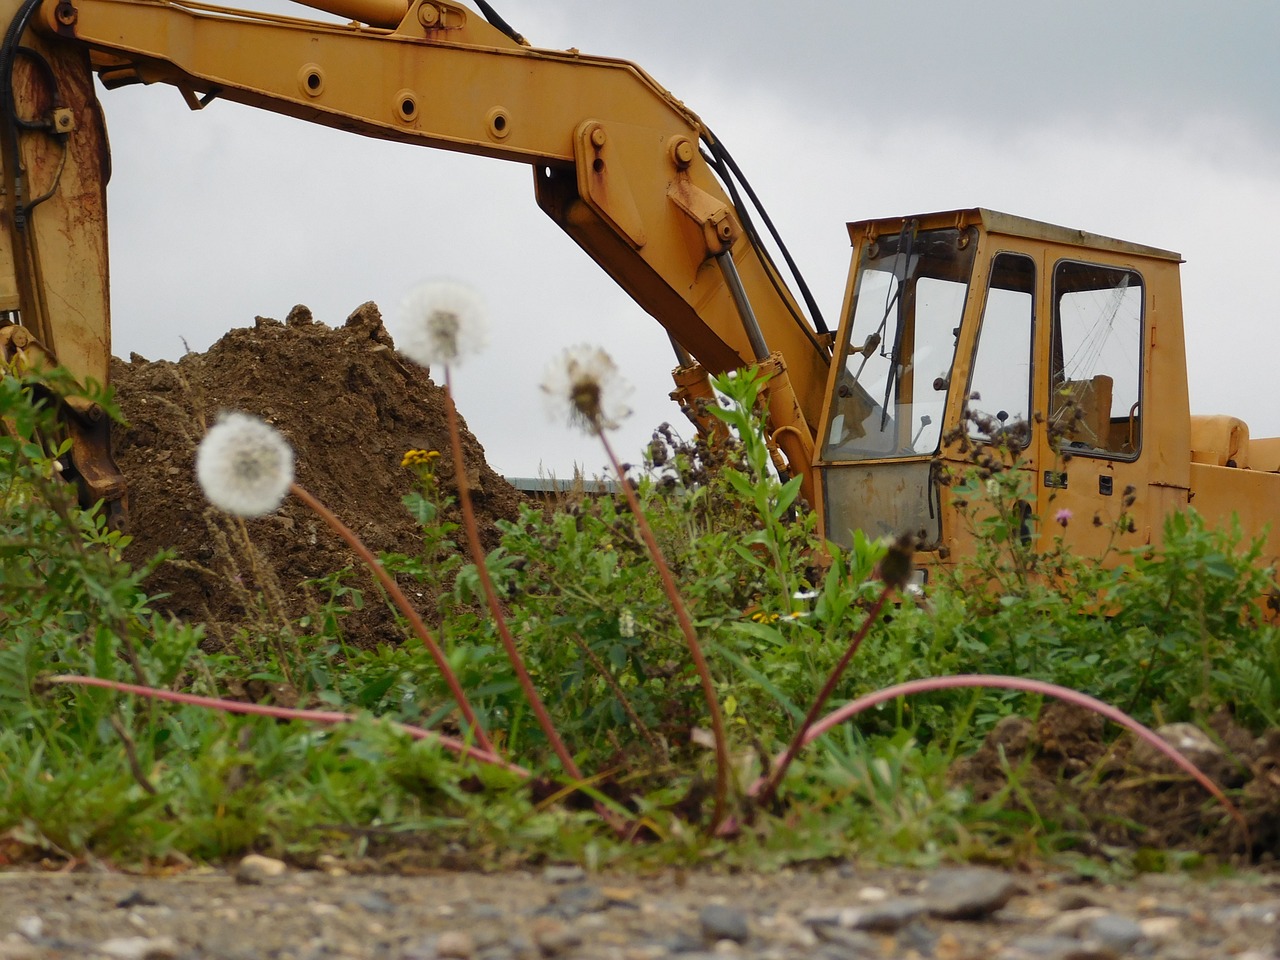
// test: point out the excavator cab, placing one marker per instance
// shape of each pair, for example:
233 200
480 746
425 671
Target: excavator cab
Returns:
972 329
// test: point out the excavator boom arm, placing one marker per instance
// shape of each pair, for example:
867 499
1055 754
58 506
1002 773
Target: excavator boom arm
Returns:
618 161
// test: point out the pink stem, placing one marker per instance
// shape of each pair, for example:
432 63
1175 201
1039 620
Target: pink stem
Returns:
928 684
288 713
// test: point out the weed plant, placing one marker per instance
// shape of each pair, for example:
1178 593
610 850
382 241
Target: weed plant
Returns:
1169 635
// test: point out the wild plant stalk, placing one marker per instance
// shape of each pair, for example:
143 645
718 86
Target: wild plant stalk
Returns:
1025 685
616 688
451 744
686 626
406 609
491 596
774 779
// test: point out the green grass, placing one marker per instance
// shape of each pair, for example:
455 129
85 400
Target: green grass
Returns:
92 773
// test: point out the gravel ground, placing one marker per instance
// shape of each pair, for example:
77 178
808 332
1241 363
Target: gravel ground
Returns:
844 913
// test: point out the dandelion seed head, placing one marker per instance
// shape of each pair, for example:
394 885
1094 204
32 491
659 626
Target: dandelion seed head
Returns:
583 387
440 322
244 465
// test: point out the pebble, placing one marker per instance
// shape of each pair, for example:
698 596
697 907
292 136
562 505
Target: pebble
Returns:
554 937
967 893
719 922
455 944
563 874
140 948
256 868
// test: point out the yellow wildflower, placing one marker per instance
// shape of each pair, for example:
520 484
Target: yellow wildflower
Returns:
419 458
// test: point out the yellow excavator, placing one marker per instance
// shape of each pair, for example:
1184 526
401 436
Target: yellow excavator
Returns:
957 327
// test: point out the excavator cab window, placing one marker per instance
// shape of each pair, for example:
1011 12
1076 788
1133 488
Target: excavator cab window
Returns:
999 398
896 361
1096 359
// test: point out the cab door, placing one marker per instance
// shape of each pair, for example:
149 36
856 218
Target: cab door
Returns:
1089 385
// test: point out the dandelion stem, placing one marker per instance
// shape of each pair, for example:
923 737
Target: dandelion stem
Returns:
486 583
691 637
402 604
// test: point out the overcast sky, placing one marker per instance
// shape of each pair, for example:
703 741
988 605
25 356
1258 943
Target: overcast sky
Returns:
1155 121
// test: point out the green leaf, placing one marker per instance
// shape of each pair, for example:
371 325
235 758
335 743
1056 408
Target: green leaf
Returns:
787 496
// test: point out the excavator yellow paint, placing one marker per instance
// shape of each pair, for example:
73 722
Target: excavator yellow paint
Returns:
961 325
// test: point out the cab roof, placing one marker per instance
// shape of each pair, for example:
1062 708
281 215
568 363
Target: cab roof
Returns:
993 221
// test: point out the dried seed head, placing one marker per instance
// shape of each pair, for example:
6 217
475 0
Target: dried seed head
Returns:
244 465
440 322
583 387
898 562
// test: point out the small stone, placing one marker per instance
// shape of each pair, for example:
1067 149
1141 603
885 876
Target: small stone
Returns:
140 948
30 926
889 916
455 944
785 929
554 937
1113 931
852 943
829 917
949 947
375 901
719 922
968 893
1072 923
256 868
135 898
627 897
563 874
1162 929
519 944
577 900
331 865
1261 914
1054 948
1075 900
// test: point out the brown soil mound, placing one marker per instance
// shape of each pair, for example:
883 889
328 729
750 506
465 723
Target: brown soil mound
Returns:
1069 769
350 406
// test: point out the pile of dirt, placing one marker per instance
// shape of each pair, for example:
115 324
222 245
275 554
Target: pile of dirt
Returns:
350 407
1068 767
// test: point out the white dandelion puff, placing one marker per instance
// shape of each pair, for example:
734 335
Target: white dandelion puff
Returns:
583 387
244 465
440 322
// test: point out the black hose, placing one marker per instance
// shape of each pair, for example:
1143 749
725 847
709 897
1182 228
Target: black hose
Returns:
8 49
492 16
726 165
